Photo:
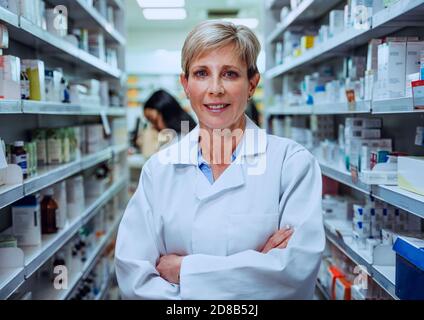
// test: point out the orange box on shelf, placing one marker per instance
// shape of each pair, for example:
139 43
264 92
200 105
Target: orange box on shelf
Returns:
334 274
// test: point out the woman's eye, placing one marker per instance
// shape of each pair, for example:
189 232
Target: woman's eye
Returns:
230 74
200 73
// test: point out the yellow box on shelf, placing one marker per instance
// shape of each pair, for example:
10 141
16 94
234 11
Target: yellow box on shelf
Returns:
411 174
307 42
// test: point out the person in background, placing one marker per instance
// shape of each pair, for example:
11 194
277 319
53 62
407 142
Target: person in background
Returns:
164 112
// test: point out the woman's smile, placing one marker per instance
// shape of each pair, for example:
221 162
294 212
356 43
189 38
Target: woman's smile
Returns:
217 107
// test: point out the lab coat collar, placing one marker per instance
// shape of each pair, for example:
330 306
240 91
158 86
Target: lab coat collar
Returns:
185 152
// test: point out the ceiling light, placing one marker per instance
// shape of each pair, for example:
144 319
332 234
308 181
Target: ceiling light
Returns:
165 14
251 23
161 3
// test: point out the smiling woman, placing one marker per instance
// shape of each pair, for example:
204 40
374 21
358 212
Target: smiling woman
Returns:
228 212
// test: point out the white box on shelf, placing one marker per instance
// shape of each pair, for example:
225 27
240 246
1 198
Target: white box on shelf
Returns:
26 216
336 22
411 174
392 69
413 50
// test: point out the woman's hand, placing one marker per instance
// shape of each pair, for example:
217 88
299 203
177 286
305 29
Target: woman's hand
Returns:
279 239
169 267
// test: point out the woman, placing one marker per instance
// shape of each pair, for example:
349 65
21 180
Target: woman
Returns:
164 112
208 220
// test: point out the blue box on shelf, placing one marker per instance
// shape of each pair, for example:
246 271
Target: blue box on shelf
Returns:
409 268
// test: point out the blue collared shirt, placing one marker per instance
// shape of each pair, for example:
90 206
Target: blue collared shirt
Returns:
206 168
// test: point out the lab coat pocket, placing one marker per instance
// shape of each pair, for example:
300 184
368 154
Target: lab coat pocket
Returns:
250 231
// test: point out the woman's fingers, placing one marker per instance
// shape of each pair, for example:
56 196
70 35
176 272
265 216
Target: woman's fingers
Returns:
277 239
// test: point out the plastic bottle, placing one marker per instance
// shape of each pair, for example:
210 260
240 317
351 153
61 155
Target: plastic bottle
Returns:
49 213
20 157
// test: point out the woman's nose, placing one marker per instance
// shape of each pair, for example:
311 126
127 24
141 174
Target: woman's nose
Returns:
216 87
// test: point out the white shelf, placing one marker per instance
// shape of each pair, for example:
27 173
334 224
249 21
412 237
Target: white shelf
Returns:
321 109
308 10
383 279
403 199
33 36
9 17
79 11
399 105
57 108
10 279
342 108
51 294
93 159
385 22
10 106
294 110
48 175
393 195
317 53
36 256
10 193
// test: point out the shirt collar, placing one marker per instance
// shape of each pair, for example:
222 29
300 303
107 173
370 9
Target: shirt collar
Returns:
186 151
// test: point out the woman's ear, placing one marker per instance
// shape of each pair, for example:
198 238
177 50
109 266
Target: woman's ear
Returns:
253 83
184 83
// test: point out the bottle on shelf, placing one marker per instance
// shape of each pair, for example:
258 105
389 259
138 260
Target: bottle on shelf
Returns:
49 213
20 157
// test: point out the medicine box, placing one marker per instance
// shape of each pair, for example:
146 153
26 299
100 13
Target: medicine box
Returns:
411 174
418 94
413 50
392 69
333 273
26 219
409 268
363 123
336 22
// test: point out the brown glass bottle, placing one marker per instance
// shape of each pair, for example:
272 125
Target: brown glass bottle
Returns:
49 210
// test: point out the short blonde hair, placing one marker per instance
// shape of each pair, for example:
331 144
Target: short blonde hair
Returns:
214 34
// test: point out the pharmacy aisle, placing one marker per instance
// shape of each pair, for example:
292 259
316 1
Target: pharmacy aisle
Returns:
345 79
63 144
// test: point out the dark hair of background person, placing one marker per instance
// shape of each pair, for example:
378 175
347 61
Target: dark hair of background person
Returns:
170 109
252 112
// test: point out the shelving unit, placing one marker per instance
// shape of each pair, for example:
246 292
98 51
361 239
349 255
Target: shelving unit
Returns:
49 293
30 41
94 257
383 275
80 11
308 10
36 256
393 195
52 174
393 20
385 22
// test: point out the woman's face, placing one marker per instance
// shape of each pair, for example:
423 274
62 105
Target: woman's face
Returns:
155 118
218 88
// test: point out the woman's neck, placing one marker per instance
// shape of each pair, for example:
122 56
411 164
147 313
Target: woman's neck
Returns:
218 145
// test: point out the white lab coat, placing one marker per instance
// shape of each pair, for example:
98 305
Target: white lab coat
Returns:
219 227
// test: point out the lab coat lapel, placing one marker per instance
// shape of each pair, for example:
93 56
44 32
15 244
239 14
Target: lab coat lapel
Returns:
232 177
